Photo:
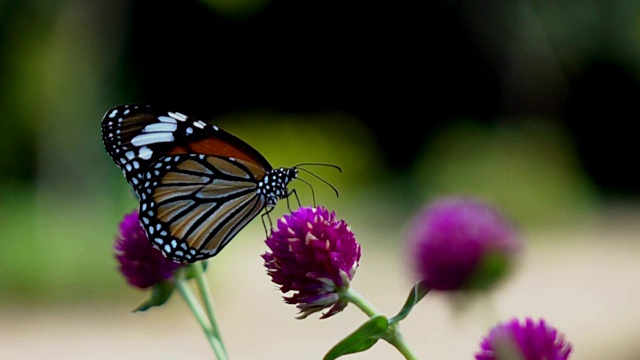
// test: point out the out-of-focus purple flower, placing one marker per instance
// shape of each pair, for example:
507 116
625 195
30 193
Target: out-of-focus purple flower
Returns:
462 243
141 264
524 341
314 255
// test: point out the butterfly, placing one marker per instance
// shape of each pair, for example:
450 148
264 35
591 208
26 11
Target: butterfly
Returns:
197 184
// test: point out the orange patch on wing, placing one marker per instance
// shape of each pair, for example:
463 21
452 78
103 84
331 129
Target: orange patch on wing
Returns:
211 146
177 151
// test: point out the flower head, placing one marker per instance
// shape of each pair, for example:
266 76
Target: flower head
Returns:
140 263
314 255
524 341
461 243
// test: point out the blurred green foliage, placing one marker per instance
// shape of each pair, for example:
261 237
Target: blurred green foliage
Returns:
237 8
61 197
528 167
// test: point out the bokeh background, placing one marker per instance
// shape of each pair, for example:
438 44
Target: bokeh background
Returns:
531 105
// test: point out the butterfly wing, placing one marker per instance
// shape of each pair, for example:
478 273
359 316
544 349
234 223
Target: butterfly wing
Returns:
192 205
197 183
137 136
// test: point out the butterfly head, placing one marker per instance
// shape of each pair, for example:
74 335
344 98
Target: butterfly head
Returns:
274 185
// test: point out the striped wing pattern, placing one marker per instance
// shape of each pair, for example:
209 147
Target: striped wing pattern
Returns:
192 205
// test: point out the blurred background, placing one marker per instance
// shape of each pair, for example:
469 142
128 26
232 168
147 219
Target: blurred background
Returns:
528 104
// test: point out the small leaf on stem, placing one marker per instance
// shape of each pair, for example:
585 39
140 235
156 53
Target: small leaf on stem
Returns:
361 339
419 290
160 294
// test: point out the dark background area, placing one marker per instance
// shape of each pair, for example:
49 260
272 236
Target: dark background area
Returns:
403 69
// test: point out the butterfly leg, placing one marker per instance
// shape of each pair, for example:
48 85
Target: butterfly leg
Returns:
295 194
264 224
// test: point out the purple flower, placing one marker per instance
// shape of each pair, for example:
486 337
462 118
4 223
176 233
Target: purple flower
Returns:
526 341
461 243
140 263
314 256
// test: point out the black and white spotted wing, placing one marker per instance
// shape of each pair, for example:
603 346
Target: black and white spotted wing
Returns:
203 199
198 185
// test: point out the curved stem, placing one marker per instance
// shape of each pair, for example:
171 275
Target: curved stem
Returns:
393 336
205 293
358 300
396 339
191 300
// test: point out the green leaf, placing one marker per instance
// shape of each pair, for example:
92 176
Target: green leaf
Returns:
418 291
161 293
361 339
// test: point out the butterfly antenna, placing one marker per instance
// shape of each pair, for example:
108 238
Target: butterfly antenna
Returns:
318 177
321 164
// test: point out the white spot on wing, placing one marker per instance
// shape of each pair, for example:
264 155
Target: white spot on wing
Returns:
199 124
152 138
167 119
159 127
145 153
178 116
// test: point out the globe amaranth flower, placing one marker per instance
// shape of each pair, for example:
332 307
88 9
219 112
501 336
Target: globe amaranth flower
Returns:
529 340
462 243
313 255
140 263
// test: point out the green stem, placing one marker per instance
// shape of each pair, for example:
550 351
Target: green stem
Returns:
396 339
358 300
205 293
195 307
394 336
